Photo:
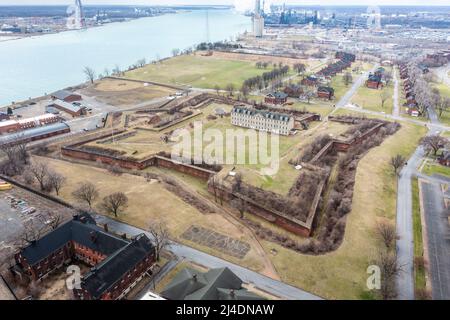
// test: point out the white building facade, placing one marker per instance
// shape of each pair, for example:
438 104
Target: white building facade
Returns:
273 122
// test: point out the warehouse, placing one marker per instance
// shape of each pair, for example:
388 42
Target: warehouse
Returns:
35 133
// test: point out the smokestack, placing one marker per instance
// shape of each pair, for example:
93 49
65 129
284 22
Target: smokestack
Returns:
257 7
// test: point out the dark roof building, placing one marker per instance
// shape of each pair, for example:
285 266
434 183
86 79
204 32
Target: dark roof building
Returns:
66 96
72 109
325 92
276 98
215 284
118 263
35 133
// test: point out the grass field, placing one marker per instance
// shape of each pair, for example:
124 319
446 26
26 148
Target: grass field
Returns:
290 147
371 99
342 274
337 83
199 71
152 202
419 272
322 108
123 93
435 168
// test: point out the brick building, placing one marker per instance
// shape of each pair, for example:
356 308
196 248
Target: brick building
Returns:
72 109
13 125
310 81
66 96
325 93
118 264
276 98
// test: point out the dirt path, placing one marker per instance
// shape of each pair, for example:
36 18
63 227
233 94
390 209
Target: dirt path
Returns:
269 270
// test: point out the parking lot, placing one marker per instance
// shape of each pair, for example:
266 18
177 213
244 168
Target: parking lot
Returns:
20 209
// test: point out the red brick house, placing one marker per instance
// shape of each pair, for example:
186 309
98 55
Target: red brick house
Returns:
325 93
310 81
117 263
276 98
374 82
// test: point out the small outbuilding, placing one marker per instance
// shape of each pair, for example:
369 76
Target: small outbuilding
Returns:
66 96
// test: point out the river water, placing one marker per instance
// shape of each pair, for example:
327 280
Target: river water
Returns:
32 67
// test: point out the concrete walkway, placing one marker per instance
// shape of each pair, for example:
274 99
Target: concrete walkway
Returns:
396 110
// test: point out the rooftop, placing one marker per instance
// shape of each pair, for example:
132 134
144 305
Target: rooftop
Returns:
216 284
31 133
265 114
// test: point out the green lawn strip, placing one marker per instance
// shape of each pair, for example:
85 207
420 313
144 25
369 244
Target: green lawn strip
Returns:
435 168
419 270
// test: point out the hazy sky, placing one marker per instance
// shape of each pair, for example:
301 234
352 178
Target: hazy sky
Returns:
172 2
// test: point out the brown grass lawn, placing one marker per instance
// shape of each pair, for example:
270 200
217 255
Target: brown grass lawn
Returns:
150 201
342 274
125 93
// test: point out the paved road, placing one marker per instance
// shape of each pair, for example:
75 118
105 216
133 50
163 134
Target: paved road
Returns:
435 127
438 240
396 110
351 92
405 242
262 282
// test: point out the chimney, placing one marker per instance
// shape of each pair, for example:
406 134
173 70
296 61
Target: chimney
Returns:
124 236
93 236
232 294
194 277
105 227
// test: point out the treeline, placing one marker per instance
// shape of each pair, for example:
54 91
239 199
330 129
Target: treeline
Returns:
260 82
220 45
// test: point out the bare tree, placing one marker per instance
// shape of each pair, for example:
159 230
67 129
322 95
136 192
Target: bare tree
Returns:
240 205
433 143
309 94
442 105
245 90
348 78
384 96
86 192
230 88
16 156
31 233
141 62
388 78
89 73
217 88
237 184
40 172
56 181
175 52
397 162
160 236
115 202
390 269
55 220
387 234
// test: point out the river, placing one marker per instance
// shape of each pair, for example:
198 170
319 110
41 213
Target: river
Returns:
32 67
